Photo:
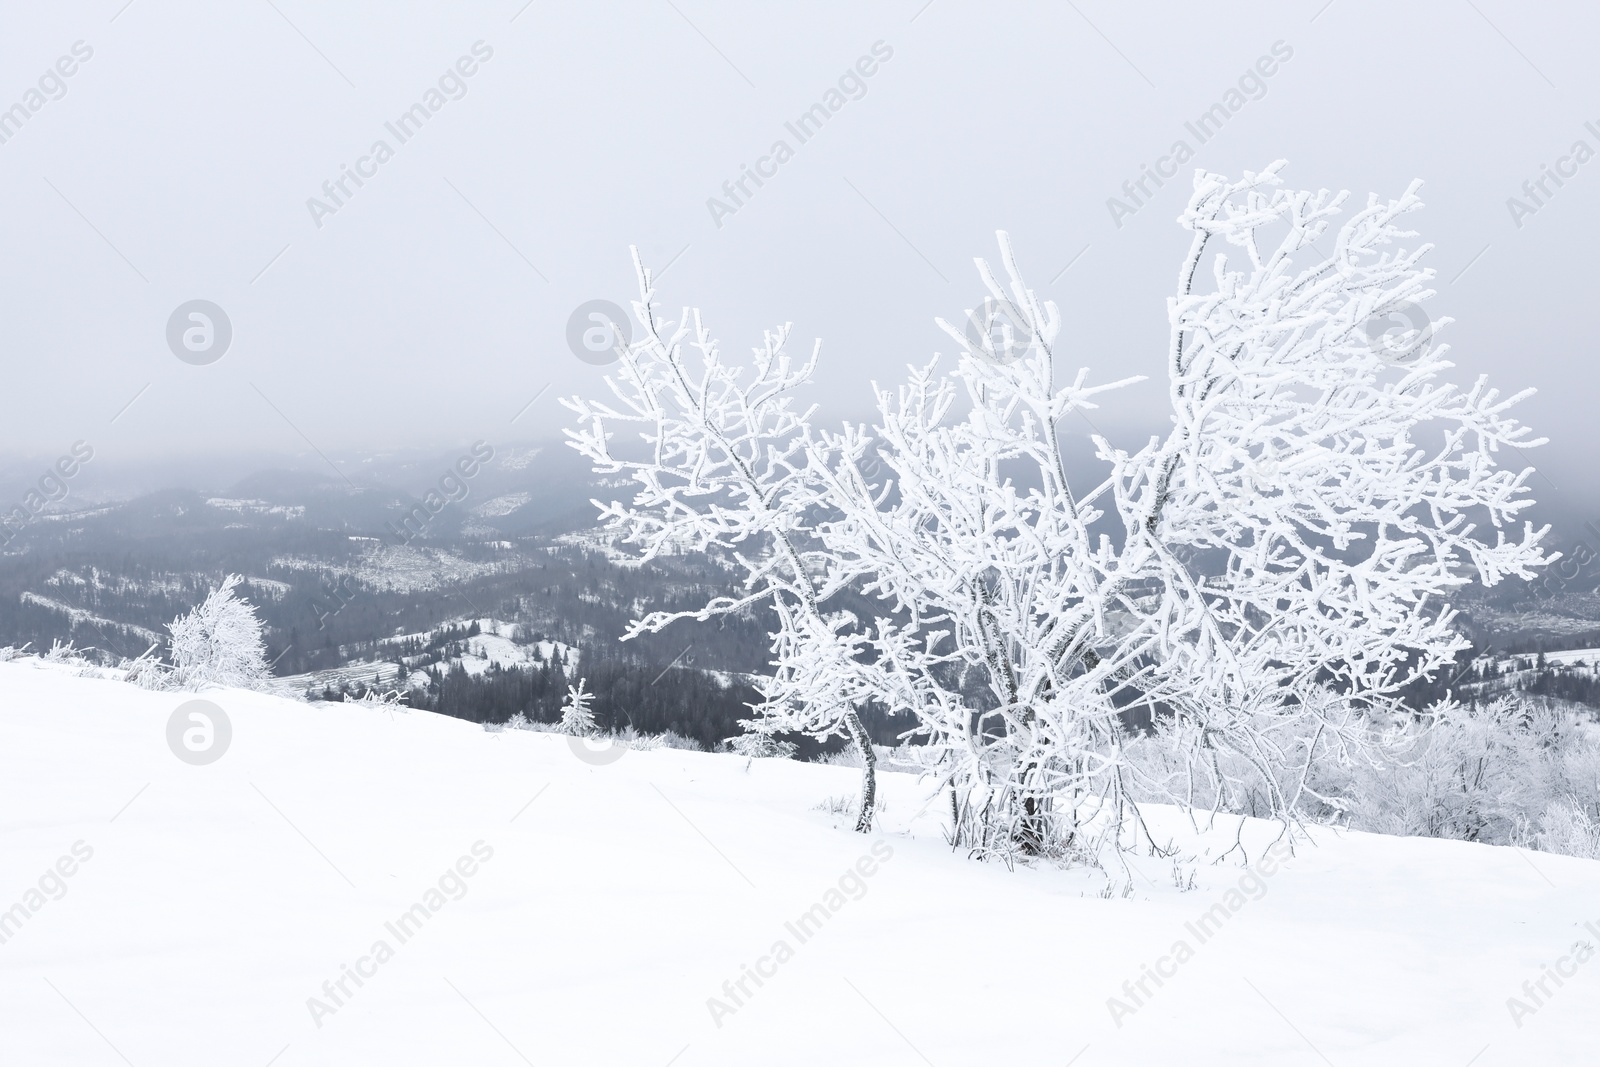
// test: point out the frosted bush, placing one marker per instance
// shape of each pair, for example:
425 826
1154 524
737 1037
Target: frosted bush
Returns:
759 745
392 698
1266 763
147 672
1568 829
669 739
218 643
1505 773
518 721
1466 773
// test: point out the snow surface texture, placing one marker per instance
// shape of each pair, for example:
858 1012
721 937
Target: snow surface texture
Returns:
610 898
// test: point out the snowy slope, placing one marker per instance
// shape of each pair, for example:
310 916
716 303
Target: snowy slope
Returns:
582 911
492 646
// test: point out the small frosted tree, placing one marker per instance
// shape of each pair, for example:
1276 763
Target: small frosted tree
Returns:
576 718
757 742
219 642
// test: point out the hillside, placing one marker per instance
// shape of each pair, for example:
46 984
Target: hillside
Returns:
574 910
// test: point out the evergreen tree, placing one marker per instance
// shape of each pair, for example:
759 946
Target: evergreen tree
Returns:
576 718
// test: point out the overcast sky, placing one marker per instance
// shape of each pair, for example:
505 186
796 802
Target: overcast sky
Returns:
430 304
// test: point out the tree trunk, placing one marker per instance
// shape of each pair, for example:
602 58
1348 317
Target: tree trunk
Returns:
869 771
1033 833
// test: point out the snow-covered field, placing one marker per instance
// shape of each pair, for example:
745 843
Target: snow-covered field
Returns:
502 505
81 616
404 568
257 507
354 885
493 646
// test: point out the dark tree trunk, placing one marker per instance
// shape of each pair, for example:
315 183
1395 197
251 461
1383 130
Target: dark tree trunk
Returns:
869 771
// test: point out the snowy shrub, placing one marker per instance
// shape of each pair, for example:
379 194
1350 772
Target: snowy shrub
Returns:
148 672
145 670
1263 765
1335 484
1468 773
670 739
392 698
1504 773
1569 830
1570 823
218 643
11 652
519 721
839 805
627 737
845 807
760 745
910 759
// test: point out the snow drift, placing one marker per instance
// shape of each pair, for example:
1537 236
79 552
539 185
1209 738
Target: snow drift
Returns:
352 884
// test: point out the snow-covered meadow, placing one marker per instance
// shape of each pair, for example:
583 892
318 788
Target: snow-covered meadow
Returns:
351 884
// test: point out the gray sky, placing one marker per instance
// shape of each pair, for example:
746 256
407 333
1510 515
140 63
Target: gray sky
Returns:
432 304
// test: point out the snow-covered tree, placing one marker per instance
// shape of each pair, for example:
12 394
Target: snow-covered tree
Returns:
724 467
219 642
1274 568
576 718
1337 565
